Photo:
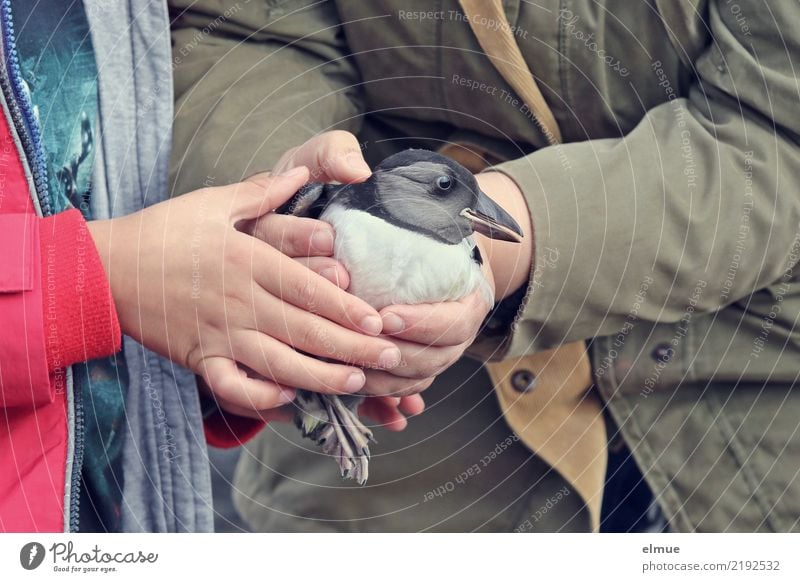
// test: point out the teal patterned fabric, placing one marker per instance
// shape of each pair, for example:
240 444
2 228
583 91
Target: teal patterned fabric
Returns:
57 63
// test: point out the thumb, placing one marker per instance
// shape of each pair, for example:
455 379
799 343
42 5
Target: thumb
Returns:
333 156
264 192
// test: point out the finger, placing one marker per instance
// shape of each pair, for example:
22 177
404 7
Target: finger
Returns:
412 405
421 361
329 268
280 414
381 383
441 324
315 335
294 236
310 292
263 193
231 384
384 412
334 156
280 363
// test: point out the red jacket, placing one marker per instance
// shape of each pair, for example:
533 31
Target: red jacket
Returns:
56 309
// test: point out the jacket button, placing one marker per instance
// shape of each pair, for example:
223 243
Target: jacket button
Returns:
523 381
662 353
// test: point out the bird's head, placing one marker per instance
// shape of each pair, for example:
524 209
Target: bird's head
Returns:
434 195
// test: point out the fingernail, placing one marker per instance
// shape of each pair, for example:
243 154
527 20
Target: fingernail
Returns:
355 382
322 241
372 324
294 172
356 162
393 323
287 396
389 358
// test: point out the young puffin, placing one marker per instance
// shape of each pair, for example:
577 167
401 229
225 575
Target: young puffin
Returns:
405 237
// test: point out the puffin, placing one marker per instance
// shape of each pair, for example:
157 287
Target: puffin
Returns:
405 235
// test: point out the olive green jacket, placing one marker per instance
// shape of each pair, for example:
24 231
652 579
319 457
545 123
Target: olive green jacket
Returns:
666 226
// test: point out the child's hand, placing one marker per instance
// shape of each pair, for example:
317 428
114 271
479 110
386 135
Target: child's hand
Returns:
388 412
189 285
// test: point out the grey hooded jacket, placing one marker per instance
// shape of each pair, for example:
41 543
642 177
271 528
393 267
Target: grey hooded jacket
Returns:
167 486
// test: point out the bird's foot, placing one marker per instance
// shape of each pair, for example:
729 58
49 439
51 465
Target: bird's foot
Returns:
332 422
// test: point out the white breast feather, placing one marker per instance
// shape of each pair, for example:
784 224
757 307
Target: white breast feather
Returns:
392 265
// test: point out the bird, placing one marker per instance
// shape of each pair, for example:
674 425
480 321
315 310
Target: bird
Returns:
405 235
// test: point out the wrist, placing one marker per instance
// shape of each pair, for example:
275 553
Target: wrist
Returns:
98 229
510 263
110 240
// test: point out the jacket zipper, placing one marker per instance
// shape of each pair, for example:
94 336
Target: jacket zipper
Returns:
77 458
22 114
21 110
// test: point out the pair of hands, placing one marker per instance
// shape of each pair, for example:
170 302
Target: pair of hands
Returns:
245 298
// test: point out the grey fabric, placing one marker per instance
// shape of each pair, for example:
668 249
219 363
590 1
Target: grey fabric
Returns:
165 460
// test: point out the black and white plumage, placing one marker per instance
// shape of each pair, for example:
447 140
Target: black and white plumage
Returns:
405 237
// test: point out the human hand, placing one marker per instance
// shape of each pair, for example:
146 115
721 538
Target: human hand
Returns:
333 156
388 412
336 156
190 286
431 337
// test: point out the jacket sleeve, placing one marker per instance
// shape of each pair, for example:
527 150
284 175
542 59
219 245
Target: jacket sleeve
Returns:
55 305
252 81
698 206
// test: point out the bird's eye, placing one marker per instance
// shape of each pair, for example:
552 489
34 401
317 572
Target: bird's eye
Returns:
443 182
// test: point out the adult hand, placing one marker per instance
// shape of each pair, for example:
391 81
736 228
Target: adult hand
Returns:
334 156
388 412
432 337
190 286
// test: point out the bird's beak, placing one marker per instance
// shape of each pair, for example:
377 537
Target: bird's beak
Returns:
489 219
